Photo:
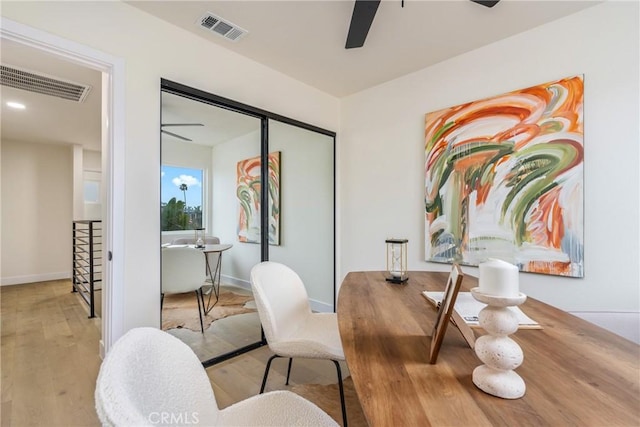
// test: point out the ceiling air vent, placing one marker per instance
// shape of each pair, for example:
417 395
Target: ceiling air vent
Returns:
40 83
226 29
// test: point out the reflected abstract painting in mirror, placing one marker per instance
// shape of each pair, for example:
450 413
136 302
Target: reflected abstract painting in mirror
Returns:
504 179
248 193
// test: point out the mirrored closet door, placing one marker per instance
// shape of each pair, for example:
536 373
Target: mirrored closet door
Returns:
307 209
202 145
212 153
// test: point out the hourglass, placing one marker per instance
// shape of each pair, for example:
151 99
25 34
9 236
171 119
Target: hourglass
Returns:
397 260
199 237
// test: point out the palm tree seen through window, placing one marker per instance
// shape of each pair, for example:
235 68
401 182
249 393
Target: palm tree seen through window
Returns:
178 212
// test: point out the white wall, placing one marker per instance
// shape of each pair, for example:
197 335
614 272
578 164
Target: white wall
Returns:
86 167
306 209
92 160
306 201
382 153
37 212
92 171
78 182
237 261
153 49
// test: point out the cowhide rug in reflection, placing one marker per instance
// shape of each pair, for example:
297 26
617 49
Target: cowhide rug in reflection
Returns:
181 310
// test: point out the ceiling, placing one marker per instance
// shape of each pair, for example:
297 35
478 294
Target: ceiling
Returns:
305 39
302 39
219 125
48 119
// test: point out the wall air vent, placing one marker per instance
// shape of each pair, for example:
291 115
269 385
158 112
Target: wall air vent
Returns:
221 27
40 83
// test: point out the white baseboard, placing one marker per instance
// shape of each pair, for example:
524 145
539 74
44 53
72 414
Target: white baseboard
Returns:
18 280
320 307
244 284
625 324
316 306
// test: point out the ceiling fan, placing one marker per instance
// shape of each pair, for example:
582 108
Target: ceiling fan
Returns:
175 135
363 13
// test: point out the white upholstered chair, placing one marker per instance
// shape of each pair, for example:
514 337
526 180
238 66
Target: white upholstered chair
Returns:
183 270
151 378
290 327
213 258
208 240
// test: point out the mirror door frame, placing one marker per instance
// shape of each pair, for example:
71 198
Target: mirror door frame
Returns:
198 95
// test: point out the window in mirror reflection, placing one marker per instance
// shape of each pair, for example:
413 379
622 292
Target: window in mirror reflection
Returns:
181 198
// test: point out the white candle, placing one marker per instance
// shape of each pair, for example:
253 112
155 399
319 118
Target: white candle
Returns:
499 278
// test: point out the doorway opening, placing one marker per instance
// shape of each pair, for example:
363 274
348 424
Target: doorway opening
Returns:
112 162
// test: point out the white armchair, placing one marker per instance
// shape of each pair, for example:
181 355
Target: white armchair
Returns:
151 378
183 270
208 240
290 327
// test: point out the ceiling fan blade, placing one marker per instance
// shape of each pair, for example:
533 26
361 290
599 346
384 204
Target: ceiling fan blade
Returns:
487 3
363 13
182 124
176 135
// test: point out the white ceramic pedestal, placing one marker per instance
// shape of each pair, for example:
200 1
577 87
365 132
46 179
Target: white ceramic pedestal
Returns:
499 353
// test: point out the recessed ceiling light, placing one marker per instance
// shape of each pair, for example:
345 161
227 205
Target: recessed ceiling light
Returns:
16 105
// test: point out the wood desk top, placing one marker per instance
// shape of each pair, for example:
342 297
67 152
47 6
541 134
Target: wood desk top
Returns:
576 373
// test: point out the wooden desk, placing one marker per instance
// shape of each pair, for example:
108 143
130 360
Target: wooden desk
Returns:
576 373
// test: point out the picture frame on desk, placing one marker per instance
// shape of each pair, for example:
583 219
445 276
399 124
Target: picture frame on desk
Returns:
445 311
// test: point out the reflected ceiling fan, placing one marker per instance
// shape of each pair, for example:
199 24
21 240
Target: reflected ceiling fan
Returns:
175 135
363 13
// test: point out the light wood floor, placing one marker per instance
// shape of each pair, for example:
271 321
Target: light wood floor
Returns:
48 356
49 361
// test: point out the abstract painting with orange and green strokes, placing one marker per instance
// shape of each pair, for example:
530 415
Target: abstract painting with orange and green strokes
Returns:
504 179
248 186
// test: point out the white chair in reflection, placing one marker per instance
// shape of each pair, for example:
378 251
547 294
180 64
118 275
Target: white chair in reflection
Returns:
213 258
213 267
184 270
151 378
208 240
290 327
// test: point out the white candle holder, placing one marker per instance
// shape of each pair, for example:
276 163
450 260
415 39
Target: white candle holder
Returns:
499 353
